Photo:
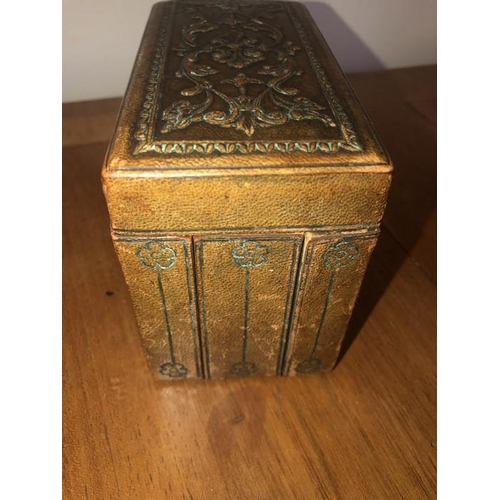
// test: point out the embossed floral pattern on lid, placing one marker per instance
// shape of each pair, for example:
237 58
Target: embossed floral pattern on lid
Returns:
214 40
243 39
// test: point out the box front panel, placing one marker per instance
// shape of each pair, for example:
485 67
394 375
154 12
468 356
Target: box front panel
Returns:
331 274
245 288
159 274
268 203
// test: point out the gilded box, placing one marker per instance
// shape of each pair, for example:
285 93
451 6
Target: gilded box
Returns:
245 188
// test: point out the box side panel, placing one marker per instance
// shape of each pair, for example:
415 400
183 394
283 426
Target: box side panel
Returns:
331 274
159 274
239 203
245 288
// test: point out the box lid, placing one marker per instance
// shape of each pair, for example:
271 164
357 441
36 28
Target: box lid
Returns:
240 86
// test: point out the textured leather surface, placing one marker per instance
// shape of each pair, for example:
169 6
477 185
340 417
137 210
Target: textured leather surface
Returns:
287 40
235 202
245 294
159 275
332 270
242 229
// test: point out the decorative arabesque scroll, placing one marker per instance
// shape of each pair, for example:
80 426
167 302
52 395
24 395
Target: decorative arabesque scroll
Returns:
238 39
216 39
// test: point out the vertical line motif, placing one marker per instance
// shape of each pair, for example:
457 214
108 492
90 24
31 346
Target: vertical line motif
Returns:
288 309
307 256
248 255
247 305
192 310
165 315
160 257
337 256
205 326
323 315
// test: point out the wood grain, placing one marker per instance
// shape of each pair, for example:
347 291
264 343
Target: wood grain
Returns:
402 105
89 121
365 431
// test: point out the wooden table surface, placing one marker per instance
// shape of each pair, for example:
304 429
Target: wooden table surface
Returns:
367 430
